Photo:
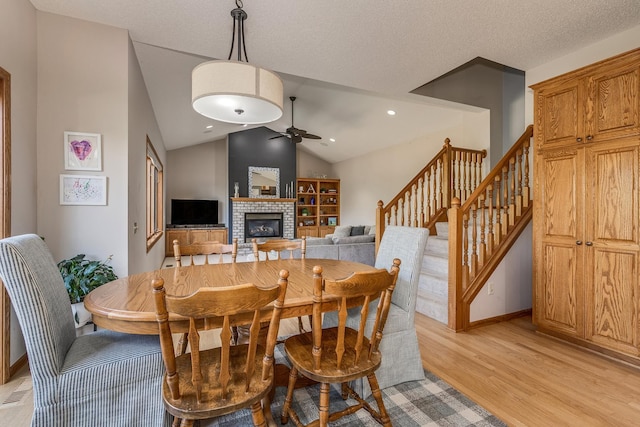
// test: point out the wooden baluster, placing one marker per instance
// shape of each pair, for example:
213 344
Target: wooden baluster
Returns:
519 184
401 202
512 197
475 182
490 236
458 180
505 200
482 250
408 197
395 214
469 190
421 182
474 239
526 192
437 195
415 204
465 251
498 228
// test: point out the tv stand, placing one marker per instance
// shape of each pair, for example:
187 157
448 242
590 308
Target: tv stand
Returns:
191 234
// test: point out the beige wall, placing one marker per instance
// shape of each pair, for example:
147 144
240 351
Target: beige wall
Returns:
18 57
309 166
381 174
199 172
82 86
141 123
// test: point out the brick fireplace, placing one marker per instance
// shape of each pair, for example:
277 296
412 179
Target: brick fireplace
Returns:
243 205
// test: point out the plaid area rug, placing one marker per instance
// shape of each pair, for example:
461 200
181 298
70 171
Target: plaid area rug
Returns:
428 402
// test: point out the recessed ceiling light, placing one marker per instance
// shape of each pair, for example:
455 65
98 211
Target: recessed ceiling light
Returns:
391 112
332 139
210 126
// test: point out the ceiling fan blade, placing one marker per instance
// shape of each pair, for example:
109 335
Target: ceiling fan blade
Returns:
280 136
311 136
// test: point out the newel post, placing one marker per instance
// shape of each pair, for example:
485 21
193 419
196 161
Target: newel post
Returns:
447 170
379 223
455 311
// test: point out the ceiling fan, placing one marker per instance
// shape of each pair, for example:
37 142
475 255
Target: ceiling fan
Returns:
293 133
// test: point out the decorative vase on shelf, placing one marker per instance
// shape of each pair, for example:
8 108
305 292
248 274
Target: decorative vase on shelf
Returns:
236 190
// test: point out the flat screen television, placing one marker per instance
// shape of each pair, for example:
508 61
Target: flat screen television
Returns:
194 212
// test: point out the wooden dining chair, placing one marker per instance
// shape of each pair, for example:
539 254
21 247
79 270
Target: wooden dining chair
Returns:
208 249
218 381
273 249
342 354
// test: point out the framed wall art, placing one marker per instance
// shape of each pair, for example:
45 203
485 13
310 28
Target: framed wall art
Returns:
82 151
83 190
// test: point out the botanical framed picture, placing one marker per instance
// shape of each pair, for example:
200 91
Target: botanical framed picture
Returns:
82 151
83 190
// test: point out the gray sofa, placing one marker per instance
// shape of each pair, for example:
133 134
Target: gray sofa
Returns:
349 248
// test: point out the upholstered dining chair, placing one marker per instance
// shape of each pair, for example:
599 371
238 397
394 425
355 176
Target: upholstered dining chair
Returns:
274 249
207 383
341 354
401 359
101 379
207 249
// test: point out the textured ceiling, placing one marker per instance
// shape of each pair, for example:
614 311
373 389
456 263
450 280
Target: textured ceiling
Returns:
333 48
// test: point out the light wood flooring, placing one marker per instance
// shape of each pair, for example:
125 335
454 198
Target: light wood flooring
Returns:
524 378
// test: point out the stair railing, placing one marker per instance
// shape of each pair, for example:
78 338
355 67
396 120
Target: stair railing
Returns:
453 172
483 227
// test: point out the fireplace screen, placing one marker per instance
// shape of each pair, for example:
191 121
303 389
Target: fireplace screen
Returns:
265 225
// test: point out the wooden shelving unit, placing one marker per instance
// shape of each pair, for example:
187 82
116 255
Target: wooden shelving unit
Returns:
317 206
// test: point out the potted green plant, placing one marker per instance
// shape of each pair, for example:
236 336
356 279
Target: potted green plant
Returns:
81 276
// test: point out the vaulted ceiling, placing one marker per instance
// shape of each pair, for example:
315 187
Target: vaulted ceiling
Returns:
347 62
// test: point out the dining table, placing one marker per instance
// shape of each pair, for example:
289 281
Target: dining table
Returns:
127 304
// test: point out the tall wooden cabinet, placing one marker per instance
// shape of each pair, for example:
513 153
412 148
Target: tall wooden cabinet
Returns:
586 224
317 207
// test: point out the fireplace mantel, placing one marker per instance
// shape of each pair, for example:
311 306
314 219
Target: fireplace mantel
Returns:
261 199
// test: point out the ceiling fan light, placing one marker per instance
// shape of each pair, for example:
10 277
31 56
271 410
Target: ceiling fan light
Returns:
236 92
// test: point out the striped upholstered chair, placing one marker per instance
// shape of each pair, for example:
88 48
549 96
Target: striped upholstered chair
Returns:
101 379
401 360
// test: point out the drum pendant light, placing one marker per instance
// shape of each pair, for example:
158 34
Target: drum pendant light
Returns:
236 91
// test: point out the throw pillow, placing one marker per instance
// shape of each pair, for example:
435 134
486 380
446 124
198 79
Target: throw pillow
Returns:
342 231
357 231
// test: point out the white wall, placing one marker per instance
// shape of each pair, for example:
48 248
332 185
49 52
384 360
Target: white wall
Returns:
381 174
18 57
141 123
82 86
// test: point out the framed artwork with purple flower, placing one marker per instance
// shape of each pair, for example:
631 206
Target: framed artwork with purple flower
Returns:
82 151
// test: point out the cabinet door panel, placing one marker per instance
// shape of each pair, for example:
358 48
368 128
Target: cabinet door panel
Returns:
561 303
198 236
613 171
560 193
613 104
613 300
557 116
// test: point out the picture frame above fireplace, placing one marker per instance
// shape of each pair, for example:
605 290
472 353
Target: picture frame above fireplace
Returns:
264 182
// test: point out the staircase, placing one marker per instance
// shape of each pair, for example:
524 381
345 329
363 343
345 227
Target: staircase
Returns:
473 223
433 288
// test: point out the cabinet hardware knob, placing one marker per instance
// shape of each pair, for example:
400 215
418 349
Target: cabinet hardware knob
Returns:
578 242
589 244
589 137
579 139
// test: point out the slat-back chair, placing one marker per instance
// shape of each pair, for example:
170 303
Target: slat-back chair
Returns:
208 249
213 382
342 354
279 246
